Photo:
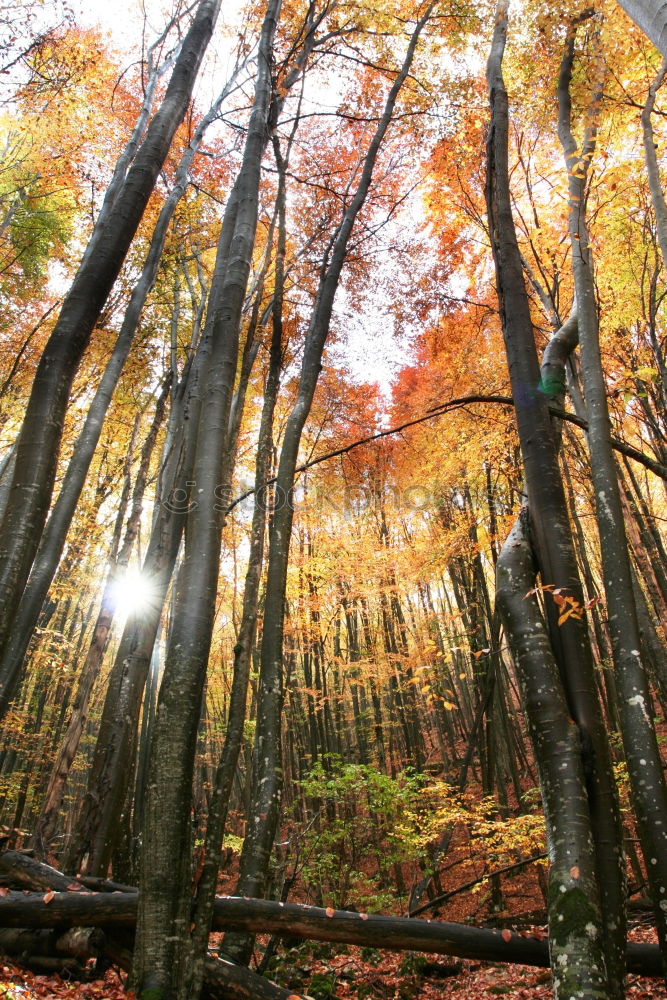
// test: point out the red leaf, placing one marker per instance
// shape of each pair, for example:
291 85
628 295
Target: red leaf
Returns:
506 935
49 896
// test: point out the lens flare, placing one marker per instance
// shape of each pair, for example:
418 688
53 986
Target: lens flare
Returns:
132 593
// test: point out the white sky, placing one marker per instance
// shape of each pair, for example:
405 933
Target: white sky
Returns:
122 18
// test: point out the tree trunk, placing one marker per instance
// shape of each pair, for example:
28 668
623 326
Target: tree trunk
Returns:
96 826
647 782
226 769
118 910
46 823
267 785
651 16
577 957
55 532
39 441
550 530
163 959
652 169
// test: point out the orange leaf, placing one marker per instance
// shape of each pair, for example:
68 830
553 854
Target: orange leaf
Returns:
506 935
4 892
364 916
49 896
329 911
574 871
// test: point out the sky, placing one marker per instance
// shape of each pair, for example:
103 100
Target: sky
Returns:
121 18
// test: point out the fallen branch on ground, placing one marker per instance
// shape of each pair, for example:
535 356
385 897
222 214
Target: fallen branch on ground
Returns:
65 951
439 900
118 910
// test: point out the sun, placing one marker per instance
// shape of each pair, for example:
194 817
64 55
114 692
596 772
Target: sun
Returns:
132 592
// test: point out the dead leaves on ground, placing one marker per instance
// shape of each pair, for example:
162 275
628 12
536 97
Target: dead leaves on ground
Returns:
18 984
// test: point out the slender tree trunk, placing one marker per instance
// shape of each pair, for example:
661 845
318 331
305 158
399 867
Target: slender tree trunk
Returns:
48 817
55 532
96 826
163 953
265 804
39 441
655 186
550 534
647 782
246 635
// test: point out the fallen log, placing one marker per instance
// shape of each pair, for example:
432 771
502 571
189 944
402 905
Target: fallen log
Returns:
20 871
68 909
103 884
77 942
49 965
49 951
222 980
438 901
118 910
54 951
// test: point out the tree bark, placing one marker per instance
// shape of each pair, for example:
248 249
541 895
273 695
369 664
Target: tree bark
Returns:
49 813
163 958
226 769
56 528
550 531
647 782
577 956
96 826
29 947
39 441
267 772
651 17
118 910
652 169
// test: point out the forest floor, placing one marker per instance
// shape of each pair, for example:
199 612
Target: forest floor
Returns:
339 972
348 973
352 976
397 977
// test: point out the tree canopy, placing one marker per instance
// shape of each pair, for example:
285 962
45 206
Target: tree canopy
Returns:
333 452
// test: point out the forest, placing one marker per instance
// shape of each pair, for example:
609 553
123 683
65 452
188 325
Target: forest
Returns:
333 499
